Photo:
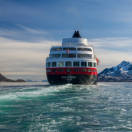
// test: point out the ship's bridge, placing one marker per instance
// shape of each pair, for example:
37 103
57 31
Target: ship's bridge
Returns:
74 42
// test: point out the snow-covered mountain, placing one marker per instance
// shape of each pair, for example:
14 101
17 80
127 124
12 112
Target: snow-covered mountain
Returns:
121 72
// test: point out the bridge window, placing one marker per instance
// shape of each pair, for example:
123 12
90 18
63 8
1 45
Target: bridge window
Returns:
68 63
69 48
84 55
90 64
76 64
84 49
84 64
68 55
53 64
60 64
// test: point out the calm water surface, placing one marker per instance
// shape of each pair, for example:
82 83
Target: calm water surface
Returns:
39 107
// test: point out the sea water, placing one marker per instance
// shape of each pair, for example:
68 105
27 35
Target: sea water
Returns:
40 107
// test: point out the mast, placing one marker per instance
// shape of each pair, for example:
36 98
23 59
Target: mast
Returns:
76 34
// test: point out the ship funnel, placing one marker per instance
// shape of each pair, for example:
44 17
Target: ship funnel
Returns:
76 34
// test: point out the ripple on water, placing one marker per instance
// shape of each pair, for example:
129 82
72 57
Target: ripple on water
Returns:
77 108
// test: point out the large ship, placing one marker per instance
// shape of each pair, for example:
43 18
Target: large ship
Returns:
73 62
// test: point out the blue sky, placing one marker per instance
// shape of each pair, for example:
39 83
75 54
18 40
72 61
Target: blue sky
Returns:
29 25
58 18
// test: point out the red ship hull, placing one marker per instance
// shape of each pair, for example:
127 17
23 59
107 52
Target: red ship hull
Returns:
71 75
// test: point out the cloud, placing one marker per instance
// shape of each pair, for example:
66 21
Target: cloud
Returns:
111 51
24 57
23 33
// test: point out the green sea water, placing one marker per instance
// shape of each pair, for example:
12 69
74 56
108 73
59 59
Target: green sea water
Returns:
39 107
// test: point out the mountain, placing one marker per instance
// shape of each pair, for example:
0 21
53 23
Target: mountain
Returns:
4 79
119 73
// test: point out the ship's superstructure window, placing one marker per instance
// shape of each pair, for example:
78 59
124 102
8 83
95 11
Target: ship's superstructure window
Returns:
89 70
48 64
56 49
94 64
69 48
68 70
48 70
84 55
60 70
55 55
53 64
60 64
68 63
84 49
76 63
84 70
68 55
76 70
83 64
90 64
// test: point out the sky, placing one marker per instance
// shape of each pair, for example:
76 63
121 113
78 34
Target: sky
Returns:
28 28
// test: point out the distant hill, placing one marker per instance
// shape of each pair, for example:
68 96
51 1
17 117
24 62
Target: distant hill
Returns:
119 73
4 79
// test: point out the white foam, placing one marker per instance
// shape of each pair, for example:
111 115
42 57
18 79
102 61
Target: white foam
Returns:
37 91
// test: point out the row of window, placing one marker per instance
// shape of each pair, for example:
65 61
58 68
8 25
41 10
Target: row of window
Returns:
70 70
70 64
71 55
71 48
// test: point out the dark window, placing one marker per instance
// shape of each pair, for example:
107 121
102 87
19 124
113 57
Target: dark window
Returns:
76 70
53 64
49 70
73 49
68 55
84 55
84 49
72 55
53 70
60 70
55 55
94 64
90 64
65 48
65 55
76 64
68 70
68 63
84 64
48 64
84 70
69 48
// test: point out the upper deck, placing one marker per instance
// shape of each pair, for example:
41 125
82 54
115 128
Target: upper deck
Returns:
72 49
